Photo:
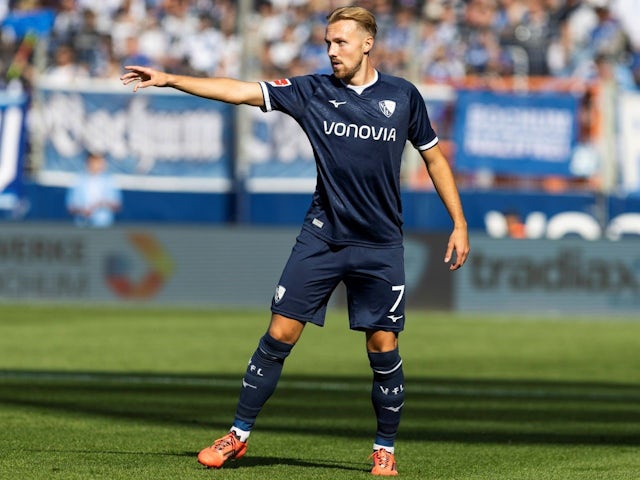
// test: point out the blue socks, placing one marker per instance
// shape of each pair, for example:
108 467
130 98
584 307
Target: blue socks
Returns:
265 367
387 395
260 380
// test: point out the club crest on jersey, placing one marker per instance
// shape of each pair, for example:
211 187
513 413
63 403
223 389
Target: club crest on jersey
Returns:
280 291
282 82
387 107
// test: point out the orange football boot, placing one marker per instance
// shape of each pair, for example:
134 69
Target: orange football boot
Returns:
384 463
226 448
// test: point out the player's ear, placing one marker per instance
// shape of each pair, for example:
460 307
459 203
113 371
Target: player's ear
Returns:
367 45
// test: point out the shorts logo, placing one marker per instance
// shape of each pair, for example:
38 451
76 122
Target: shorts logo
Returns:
317 223
282 82
280 291
387 107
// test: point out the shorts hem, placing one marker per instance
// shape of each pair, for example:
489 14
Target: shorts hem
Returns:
364 328
299 318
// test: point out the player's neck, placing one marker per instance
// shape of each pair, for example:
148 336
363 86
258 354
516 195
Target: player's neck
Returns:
364 76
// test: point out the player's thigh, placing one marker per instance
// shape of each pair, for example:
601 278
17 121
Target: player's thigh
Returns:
375 289
309 277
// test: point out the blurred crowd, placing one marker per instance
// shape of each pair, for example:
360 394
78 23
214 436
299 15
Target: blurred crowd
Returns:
425 40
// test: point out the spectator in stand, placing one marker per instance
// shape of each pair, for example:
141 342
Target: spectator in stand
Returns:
91 46
95 198
124 26
397 42
202 48
478 34
180 22
66 70
607 37
571 55
283 52
132 53
534 34
444 66
314 53
609 70
230 47
441 56
105 11
483 54
67 24
153 41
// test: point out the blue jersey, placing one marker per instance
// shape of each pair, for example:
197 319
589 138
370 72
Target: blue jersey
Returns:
357 140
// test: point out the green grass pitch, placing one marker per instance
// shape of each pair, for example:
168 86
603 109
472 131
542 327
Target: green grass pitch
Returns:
116 393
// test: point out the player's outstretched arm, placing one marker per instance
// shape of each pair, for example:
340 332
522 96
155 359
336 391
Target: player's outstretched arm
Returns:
226 90
445 185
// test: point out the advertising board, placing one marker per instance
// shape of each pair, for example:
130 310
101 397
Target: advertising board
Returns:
570 275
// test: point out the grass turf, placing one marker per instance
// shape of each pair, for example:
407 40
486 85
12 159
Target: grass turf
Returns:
114 393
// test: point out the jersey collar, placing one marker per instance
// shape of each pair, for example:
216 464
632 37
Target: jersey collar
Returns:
361 88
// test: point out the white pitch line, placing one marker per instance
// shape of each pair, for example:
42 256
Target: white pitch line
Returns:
337 386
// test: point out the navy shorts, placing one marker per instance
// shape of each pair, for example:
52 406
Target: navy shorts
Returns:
374 280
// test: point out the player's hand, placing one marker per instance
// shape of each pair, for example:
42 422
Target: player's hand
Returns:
144 76
458 243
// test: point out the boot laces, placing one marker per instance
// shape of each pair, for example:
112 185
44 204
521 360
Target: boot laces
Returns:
228 440
382 458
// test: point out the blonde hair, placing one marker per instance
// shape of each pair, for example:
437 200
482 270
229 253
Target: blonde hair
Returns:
361 16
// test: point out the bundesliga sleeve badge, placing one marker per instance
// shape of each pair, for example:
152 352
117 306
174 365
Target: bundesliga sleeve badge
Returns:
283 82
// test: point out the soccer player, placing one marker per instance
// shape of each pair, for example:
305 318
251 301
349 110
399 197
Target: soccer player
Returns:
357 120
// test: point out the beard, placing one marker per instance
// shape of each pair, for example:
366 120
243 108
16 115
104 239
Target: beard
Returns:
342 72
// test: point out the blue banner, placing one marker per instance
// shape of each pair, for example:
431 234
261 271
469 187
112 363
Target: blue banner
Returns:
153 140
13 108
24 22
516 134
279 155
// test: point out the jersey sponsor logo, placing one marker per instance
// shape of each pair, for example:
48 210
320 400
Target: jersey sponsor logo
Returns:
336 103
282 82
280 291
387 107
364 132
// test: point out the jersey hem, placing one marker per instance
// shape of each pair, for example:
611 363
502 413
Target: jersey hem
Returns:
355 243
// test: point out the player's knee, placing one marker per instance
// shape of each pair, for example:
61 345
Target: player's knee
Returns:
273 349
386 364
380 341
285 330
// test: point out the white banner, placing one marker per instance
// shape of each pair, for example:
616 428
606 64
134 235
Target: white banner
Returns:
630 141
12 140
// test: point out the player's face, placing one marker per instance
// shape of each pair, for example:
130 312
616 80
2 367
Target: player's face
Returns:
347 45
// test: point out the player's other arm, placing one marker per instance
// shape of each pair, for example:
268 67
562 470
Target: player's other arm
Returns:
442 177
226 90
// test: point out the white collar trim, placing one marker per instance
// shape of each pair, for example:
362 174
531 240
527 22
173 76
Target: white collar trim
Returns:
360 88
